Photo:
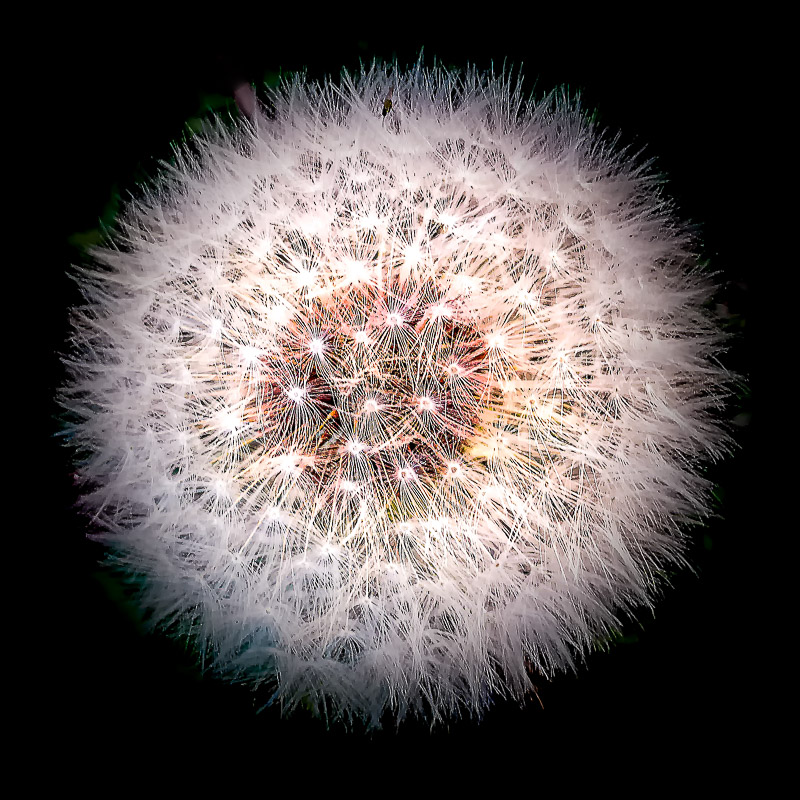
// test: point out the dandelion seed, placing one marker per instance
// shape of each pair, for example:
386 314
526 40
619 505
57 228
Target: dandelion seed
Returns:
296 394
354 447
394 320
496 341
405 474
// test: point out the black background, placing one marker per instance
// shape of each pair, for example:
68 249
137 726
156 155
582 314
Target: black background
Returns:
677 687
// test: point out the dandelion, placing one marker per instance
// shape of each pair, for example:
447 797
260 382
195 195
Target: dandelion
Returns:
397 392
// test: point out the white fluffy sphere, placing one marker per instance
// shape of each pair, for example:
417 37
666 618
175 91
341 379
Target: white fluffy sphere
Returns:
398 393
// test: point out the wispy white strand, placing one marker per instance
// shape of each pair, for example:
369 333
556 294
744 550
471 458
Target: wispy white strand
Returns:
388 411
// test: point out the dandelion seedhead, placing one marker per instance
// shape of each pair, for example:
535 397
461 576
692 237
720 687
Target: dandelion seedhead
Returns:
396 392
